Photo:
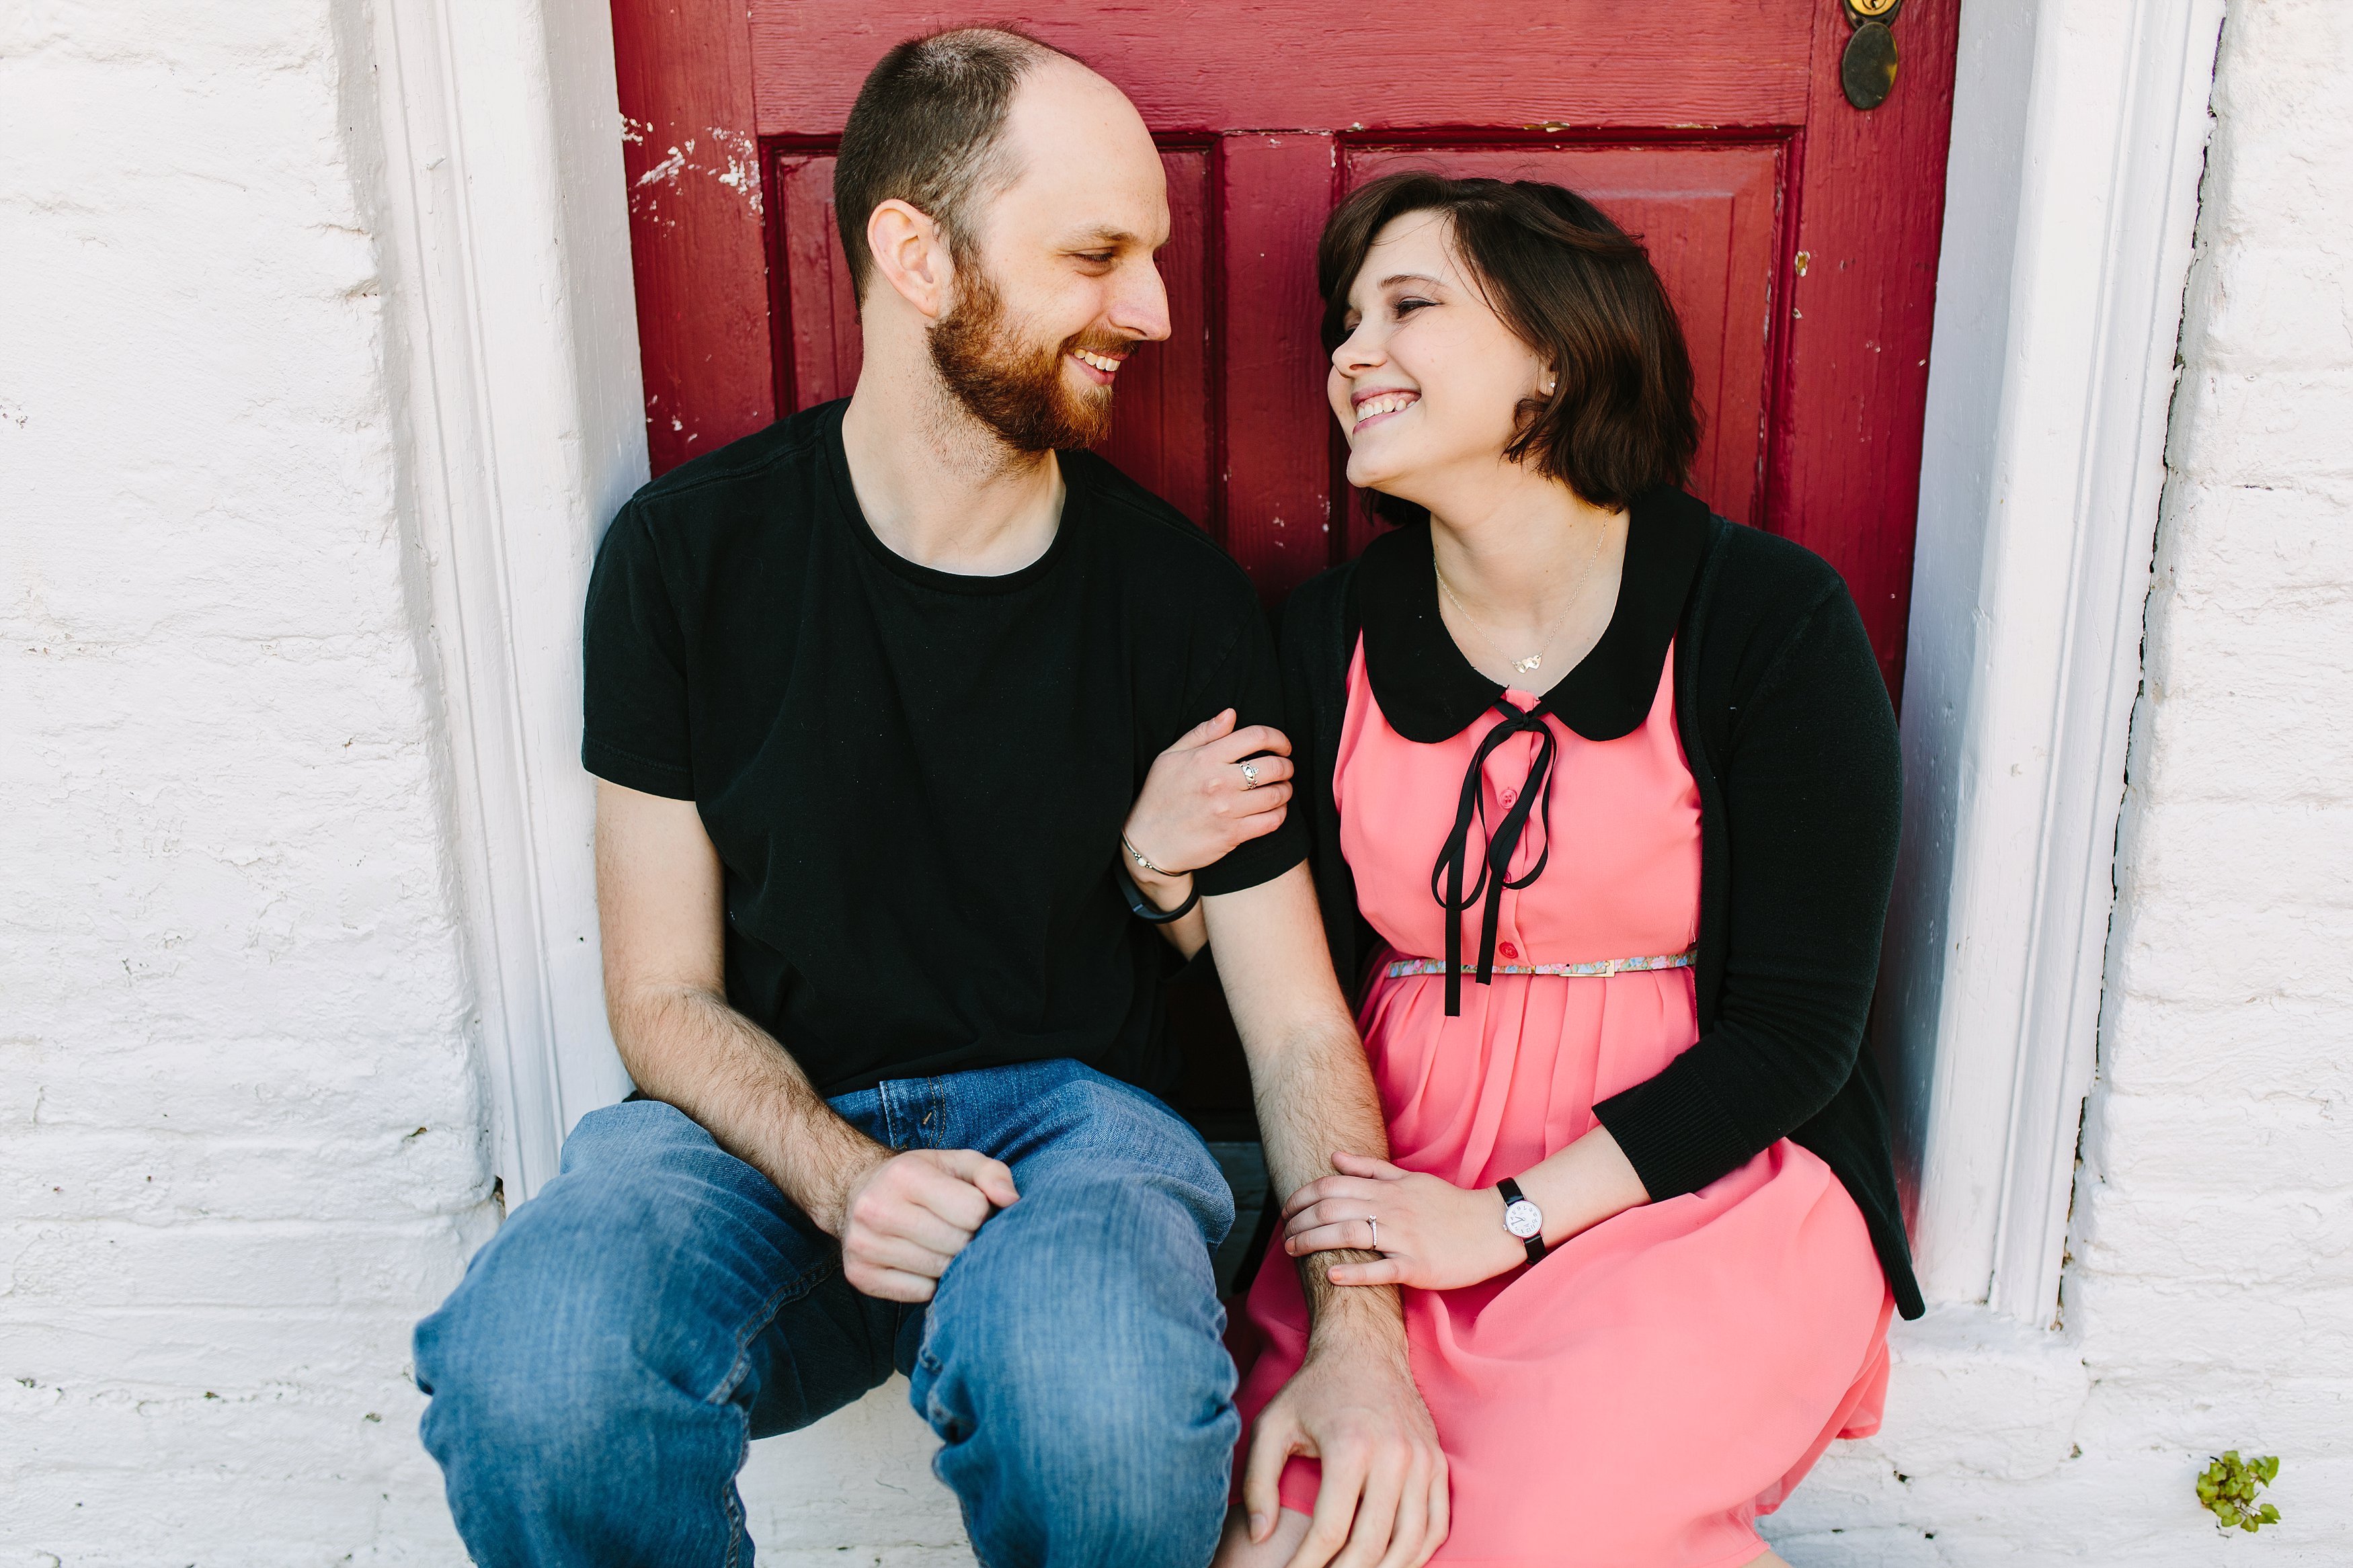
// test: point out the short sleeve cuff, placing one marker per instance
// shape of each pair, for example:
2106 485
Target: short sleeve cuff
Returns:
1249 865
629 771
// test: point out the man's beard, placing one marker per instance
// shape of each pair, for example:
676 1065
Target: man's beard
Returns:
1014 388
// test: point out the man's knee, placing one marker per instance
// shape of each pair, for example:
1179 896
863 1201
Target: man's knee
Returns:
1119 1133
1078 1378
1084 1458
563 1327
1086 1414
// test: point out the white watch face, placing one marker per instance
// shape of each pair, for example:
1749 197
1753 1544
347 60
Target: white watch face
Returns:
1524 1219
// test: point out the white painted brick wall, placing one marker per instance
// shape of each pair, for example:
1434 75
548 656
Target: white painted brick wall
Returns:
243 1140
242 1133
2209 1304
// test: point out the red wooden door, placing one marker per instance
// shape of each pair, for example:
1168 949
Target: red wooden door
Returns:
1797 234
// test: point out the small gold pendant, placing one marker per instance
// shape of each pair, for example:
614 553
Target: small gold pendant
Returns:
1526 665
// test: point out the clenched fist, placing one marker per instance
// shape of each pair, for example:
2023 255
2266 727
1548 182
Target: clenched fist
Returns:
912 1213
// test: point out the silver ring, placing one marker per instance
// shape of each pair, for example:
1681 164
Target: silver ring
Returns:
1250 776
1377 1231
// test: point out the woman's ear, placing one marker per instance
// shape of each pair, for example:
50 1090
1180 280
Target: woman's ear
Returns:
911 254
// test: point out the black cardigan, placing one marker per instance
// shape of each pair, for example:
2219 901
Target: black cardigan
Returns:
1788 733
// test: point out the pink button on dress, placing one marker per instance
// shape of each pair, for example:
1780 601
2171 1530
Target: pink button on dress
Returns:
1637 1398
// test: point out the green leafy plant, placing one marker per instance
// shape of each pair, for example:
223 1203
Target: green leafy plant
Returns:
2227 1488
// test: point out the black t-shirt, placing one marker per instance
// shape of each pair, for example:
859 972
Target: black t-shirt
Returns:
916 780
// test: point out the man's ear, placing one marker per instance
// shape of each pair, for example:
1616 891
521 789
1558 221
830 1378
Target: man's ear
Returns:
911 254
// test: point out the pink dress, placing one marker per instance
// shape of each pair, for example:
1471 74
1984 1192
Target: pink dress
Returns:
1637 1398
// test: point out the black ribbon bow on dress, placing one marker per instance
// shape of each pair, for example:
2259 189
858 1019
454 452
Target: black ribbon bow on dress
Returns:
1495 866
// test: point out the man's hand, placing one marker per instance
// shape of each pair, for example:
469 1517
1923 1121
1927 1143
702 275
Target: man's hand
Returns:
1383 1499
907 1215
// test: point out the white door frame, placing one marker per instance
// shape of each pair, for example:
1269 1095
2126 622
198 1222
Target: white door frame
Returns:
514 320
2078 132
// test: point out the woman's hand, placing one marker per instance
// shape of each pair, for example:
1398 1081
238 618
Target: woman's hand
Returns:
1197 803
1431 1234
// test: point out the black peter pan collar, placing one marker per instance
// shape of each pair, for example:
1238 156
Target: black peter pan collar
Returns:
1430 692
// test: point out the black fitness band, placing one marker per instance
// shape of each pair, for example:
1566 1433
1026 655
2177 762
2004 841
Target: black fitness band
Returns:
1144 909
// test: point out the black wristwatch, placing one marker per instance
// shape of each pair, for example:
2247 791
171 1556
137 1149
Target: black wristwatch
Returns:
1523 1219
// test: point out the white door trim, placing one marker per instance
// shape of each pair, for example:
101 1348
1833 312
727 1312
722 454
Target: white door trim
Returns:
2078 140
515 334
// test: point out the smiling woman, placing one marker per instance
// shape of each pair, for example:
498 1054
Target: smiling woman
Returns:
1564 291
1639 1182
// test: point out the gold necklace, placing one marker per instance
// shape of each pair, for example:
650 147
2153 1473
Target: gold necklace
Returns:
1535 661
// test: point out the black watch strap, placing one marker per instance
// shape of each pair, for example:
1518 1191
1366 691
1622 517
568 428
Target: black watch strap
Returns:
1143 908
1512 1195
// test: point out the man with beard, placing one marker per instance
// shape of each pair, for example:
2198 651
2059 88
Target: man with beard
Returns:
873 696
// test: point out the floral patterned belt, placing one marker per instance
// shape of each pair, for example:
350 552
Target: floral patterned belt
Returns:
1600 968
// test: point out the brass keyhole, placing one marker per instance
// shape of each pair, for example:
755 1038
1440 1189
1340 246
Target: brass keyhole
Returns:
1867 66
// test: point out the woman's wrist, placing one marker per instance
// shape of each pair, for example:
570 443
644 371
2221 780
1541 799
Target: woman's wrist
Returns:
1500 1252
1580 1186
1167 889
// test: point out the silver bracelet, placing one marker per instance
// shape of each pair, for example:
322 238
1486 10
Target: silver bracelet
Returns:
1137 855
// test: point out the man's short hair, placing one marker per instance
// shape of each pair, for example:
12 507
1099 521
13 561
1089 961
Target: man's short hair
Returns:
927 129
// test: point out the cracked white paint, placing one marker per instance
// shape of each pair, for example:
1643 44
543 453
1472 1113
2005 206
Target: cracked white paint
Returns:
731 159
667 169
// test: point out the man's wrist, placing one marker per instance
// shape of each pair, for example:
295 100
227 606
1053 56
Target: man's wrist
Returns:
1358 1340
1356 1317
850 1174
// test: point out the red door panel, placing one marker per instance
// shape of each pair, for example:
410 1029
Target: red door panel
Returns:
817 308
1219 65
1276 191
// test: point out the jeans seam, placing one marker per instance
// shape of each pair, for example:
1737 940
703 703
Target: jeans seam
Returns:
733 1499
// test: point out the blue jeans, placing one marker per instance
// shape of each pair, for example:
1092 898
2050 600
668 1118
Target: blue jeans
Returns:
598 1374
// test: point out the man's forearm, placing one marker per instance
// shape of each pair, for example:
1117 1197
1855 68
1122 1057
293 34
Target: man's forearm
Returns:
687 1047
1315 1097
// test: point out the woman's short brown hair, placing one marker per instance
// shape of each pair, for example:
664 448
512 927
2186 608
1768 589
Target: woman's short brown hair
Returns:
1574 287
